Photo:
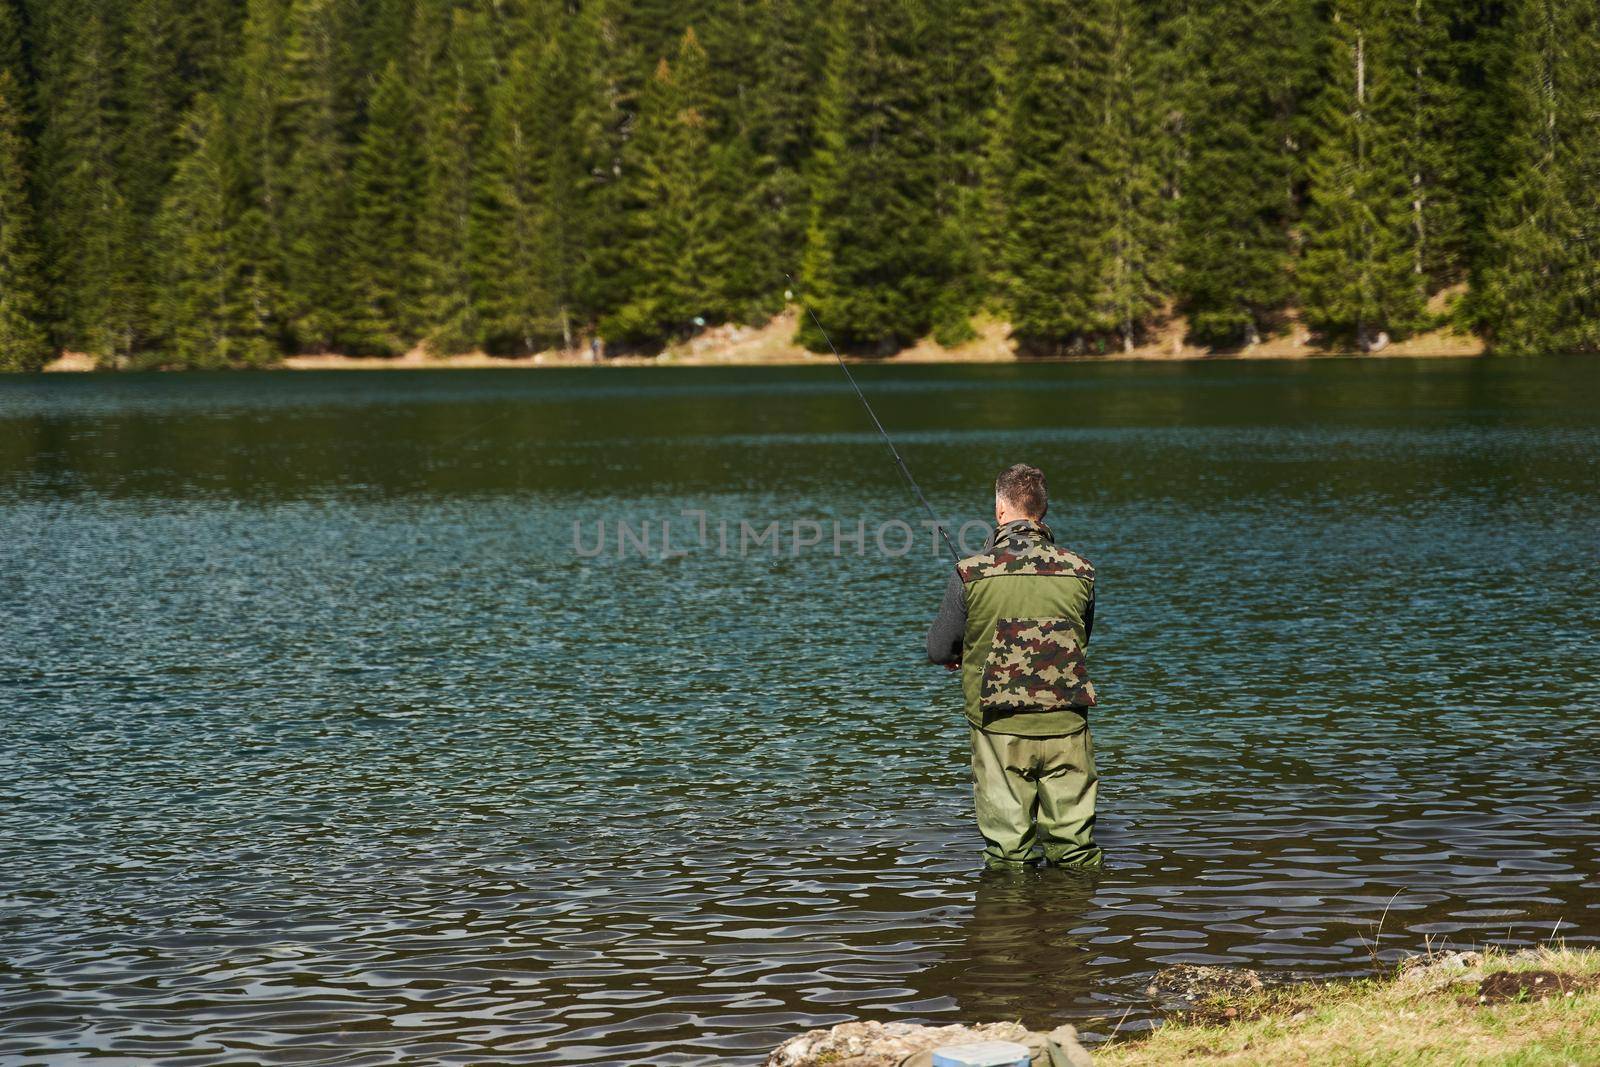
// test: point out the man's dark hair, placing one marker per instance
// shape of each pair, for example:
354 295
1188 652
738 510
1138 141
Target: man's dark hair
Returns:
1023 488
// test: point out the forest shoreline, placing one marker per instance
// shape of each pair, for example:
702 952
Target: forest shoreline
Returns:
773 344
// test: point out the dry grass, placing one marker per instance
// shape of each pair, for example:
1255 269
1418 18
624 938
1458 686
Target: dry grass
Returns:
1426 1016
772 344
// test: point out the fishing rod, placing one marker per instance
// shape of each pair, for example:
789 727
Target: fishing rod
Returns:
893 451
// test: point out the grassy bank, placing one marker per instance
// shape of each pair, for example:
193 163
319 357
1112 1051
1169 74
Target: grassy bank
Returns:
1534 1008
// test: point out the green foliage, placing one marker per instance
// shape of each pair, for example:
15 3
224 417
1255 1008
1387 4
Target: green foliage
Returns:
204 304
761 69
780 123
1238 83
1539 287
517 259
1084 248
22 339
221 182
964 91
570 128
873 267
317 83
454 116
1482 36
385 208
150 97
1362 273
85 221
11 49
255 106
1434 141
692 207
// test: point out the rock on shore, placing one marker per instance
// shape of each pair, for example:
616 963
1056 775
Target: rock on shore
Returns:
873 1044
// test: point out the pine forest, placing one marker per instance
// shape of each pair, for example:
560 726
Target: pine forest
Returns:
223 183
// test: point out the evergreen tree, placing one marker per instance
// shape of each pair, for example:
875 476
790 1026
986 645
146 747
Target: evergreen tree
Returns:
513 222
729 32
11 52
1359 272
381 34
386 317
207 33
781 124
871 269
1049 245
750 277
1433 144
453 121
1237 186
548 137
1129 152
685 193
254 107
572 127
86 224
1168 27
317 212
622 42
1540 285
964 108
1086 216
1481 38
568 179
204 309
648 31
22 340
150 98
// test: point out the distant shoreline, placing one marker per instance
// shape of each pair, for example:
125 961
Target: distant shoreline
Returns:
773 345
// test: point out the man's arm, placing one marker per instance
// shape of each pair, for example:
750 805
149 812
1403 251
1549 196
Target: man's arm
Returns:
950 625
1088 617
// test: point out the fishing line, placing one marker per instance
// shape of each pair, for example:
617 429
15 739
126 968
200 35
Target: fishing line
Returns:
893 451
478 427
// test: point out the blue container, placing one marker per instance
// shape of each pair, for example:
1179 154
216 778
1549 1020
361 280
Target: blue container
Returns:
983 1054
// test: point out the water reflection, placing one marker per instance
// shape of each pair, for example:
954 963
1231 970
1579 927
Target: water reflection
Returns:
1027 949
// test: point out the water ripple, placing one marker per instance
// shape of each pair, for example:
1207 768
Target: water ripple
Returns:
321 748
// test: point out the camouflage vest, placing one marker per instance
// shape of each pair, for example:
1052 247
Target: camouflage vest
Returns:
1022 657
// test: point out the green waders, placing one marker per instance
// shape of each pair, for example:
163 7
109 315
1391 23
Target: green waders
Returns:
1031 790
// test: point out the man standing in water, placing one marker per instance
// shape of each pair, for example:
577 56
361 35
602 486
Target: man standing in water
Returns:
1015 620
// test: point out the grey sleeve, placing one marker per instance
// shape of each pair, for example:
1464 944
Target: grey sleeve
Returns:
950 625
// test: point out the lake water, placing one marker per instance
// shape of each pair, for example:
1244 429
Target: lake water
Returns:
321 742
